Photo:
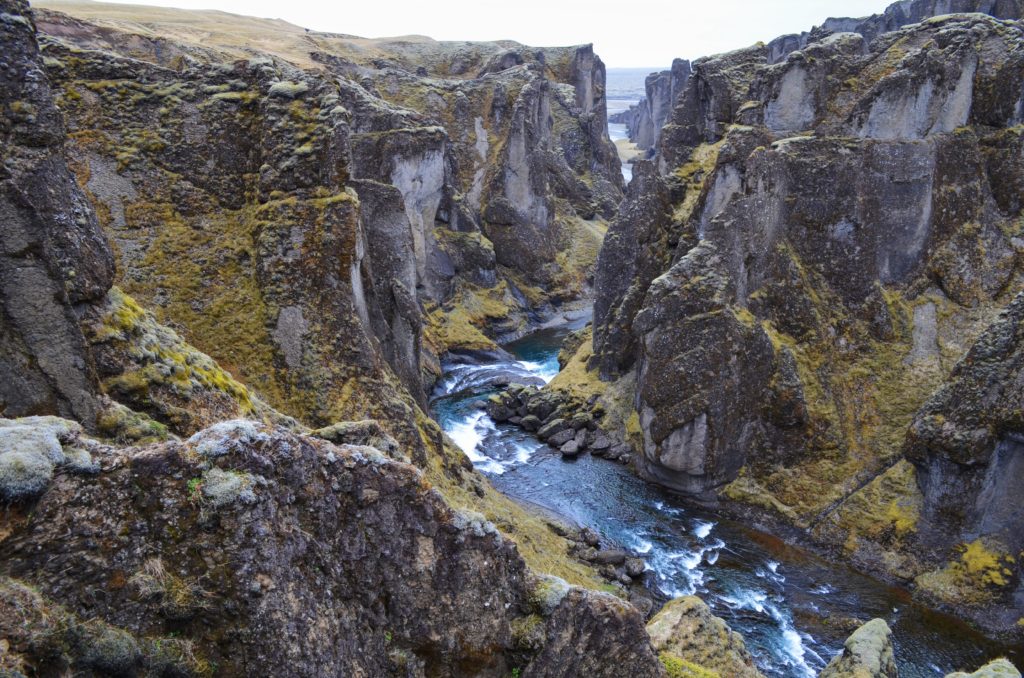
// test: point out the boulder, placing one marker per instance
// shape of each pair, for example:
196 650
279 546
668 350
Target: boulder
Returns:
570 449
868 653
686 630
1000 668
552 427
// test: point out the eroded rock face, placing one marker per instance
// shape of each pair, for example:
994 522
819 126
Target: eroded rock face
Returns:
54 256
497 154
646 118
966 443
270 552
816 244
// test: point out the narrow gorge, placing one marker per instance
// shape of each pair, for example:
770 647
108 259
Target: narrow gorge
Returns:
324 355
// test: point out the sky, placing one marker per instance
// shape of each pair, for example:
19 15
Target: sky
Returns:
625 33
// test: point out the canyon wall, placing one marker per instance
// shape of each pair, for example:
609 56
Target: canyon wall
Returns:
807 287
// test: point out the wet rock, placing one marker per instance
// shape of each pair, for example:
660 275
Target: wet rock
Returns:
570 449
553 427
590 537
1000 668
561 438
635 567
598 442
686 629
530 423
868 653
580 420
611 557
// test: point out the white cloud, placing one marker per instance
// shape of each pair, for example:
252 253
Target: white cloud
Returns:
625 33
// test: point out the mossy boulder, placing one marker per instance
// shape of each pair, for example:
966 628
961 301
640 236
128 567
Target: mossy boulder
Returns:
868 653
688 633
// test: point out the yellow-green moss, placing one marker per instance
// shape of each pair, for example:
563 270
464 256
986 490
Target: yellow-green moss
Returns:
462 321
975 577
677 667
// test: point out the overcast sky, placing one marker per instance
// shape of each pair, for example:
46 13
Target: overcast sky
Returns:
625 33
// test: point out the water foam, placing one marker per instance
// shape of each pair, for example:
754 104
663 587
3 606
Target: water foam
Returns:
468 434
702 529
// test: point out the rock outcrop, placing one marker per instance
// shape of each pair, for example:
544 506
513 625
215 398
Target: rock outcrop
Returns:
685 632
484 171
230 542
253 550
816 244
54 259
1000 668
868 653
645 119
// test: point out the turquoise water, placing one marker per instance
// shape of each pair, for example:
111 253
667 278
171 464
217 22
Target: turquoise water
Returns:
793 608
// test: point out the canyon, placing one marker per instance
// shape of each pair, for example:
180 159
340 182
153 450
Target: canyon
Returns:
259 285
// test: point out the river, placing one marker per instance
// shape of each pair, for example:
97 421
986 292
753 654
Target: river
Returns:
793 608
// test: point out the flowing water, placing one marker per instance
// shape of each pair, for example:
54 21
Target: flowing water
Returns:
793 609
624 87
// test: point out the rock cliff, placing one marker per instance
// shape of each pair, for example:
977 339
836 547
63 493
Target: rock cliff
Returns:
247 549
233 540
817 244
496 154
645 119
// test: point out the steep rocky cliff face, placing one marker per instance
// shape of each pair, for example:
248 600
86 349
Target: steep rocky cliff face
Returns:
54 257
645 119
496 154
248 547
663 89
817 244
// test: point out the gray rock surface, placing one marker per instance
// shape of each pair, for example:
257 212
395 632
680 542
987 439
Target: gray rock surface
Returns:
53 256
270 552
868 653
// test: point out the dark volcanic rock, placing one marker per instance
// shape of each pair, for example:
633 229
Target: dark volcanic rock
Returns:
273 553
816 244
53 254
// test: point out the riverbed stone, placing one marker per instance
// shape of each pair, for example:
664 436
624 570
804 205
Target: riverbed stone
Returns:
590 537
561 438
570 449
551 428
635 567
598 441
1000 668
611 557
530 423
868 653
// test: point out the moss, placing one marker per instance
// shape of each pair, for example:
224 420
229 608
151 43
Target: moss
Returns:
49 635
160 361
576 379
677 667
979 574
462 322
107 649
221 488
126 426
693 175
23 474
528 632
